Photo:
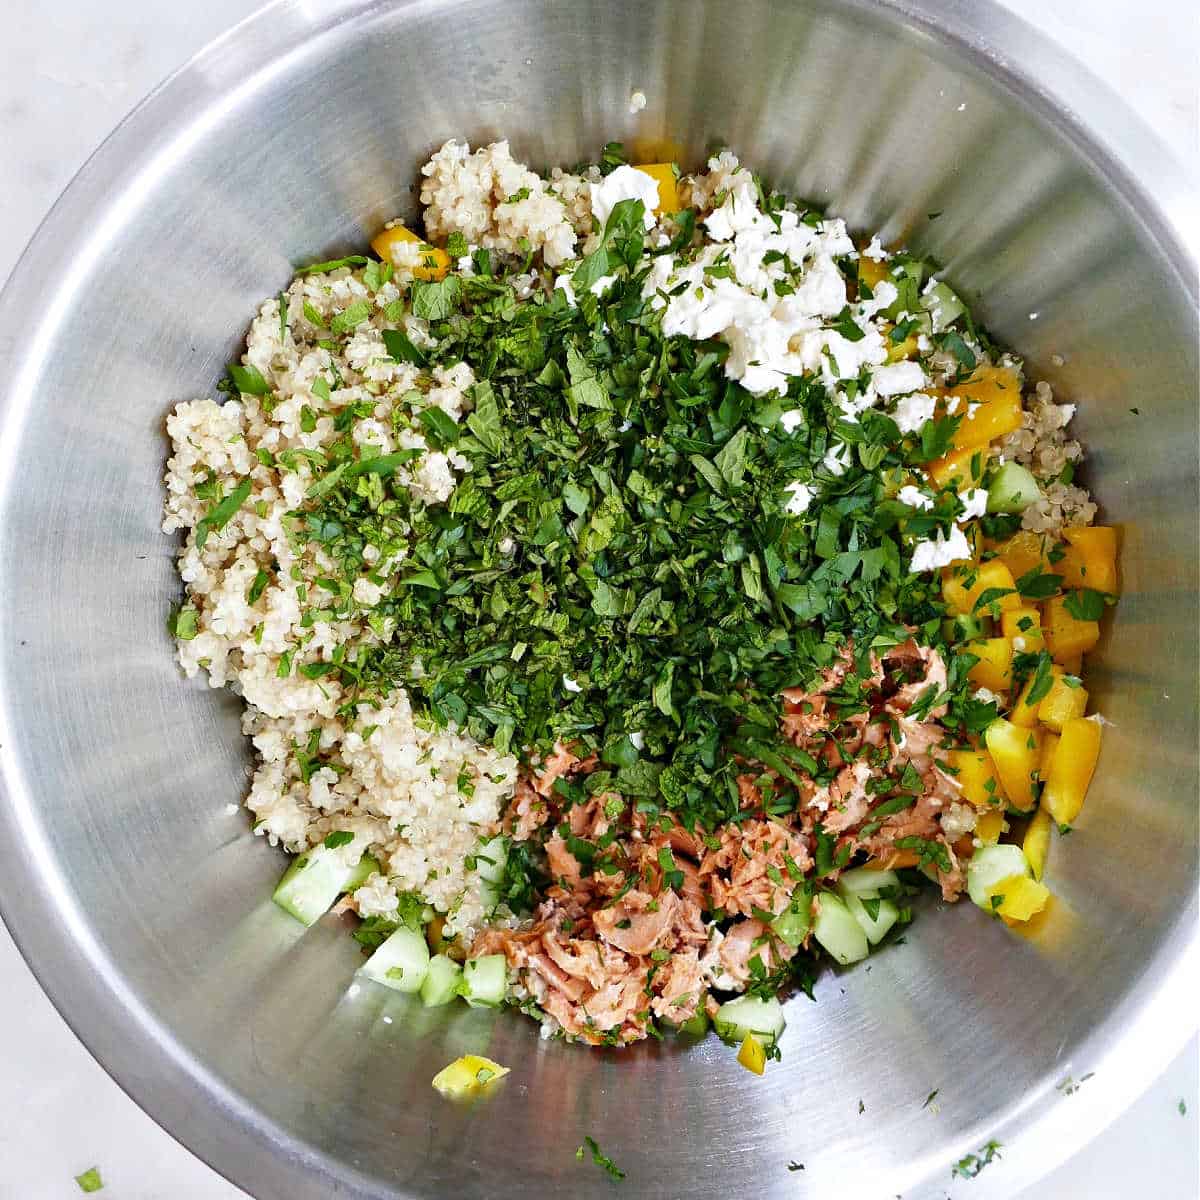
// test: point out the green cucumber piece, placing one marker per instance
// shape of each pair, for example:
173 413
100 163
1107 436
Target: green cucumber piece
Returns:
886 914
863 881
749 1014
490 860
402 962
1012 489
837 930
695 1026
315 880
792 925
988 866
485 980
942 305
442 981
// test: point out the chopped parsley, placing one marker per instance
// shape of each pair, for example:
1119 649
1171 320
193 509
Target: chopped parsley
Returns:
90 1180
969 1166
599 1158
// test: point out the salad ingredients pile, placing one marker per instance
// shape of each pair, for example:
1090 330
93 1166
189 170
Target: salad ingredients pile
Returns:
637 586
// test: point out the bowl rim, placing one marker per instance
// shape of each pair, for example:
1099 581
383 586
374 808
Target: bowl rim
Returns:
132 1045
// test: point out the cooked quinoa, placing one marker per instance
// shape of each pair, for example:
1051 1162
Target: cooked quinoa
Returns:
609 574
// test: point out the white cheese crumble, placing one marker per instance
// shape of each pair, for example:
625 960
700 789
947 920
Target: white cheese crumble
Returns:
570 685
637 101
987 696
792 419
974 502
801 497
940 551
896 378
913 497
875 250
913 412
625 183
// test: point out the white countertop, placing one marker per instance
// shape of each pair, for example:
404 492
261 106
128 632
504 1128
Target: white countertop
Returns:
72 69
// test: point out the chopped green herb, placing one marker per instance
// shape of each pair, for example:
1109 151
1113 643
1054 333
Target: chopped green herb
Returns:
600 1159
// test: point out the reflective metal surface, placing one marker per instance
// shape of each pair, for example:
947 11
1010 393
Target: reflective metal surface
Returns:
143 905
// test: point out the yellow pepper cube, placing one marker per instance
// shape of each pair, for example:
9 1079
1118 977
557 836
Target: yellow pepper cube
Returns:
1015 753
1025 551
1063 702
871 271
1019 897
1036 842
996 393
994 668
1022 625
963 587
1025 713
468 1076
898 351
1090 559
668 186
1067 636
1072 769
976 775
752 1055
962 468
1050 741
990 826
435 262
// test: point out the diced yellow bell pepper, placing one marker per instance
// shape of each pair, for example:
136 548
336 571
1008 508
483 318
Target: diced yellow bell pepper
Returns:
898 351
994 668
990 826
976 775
468 1076
668 185
1036 843
1066 636
1050 741
1015 753
1024 551
1090 558
435 262
1026 714
1020 897
1072 769
963 585
997 392
1022 626
962 468
752 1055
871 271
1062 703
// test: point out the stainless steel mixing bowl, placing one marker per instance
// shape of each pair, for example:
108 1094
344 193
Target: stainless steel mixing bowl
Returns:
143 904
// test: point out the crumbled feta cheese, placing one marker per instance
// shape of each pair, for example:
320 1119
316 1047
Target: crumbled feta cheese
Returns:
638 739
837 458
637 102
913 412
940 551
974 502
913 497
792 419
506 546
801 497
563 284
602 285
895 378
987 696
876 251
570 685
625 183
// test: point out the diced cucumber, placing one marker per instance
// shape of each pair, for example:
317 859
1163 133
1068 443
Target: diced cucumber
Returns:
695 1026
988 866
490 861
886 914
1012 489
442 981
942 305
837 930
749 1014
865 881
485 980
315 880
402 962
792 925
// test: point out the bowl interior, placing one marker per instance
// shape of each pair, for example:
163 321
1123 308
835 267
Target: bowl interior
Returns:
139 896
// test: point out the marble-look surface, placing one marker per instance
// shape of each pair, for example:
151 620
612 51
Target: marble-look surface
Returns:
71 70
